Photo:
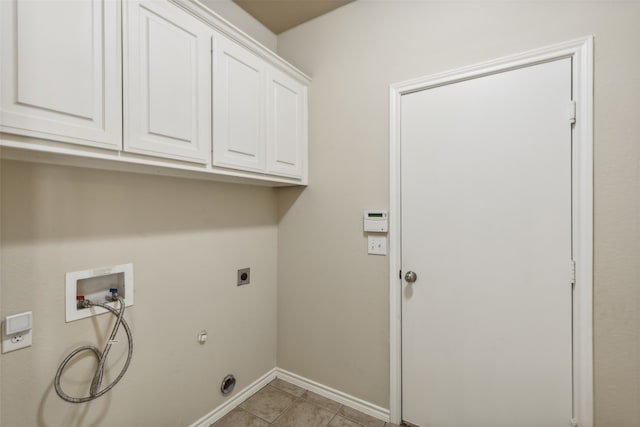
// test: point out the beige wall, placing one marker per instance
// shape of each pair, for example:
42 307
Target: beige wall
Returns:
186 239
332 297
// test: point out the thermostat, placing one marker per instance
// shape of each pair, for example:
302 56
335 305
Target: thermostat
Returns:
376 221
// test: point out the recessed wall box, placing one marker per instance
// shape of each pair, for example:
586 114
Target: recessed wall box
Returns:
95 285
376 221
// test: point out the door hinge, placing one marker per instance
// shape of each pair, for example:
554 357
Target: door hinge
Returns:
572 272
574 422
572 111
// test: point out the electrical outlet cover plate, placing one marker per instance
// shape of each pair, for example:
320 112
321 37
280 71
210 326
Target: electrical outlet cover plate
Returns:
17 340
377 245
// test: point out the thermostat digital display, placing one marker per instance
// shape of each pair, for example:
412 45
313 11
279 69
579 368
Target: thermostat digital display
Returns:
376 221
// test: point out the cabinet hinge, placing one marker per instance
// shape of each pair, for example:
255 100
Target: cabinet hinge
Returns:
574 422
572 272
572 111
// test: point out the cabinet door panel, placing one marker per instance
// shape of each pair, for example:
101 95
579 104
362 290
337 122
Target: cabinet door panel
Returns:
169 78
238 123
168 83
286 119
61 71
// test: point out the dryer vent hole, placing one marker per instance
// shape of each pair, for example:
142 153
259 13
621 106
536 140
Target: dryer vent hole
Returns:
228 383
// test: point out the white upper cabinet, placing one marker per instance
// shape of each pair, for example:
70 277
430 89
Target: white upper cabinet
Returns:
286 125
61 71
259 114
164 86
167 82
238 110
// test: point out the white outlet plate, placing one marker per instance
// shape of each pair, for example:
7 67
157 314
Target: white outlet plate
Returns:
377 245
16 341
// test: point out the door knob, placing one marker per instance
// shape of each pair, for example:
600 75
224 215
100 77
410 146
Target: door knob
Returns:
410 276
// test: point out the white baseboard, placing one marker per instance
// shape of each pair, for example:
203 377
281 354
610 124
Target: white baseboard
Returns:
333 394
236 400
322 390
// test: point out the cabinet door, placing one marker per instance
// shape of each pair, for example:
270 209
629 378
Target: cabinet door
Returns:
286 125
61 73
238 111
167 82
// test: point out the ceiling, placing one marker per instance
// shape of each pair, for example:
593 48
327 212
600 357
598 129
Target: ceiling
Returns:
281 15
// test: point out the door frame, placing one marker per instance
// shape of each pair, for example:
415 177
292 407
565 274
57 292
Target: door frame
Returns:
581 52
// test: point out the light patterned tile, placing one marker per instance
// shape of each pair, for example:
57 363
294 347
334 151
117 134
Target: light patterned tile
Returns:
268 403
339 421
287 387
304 414
316 399
360 418
240 418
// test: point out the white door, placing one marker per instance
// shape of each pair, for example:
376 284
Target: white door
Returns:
486 227
238 111
60 71
286 118
168 82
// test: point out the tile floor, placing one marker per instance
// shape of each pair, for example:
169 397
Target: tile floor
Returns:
283 404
